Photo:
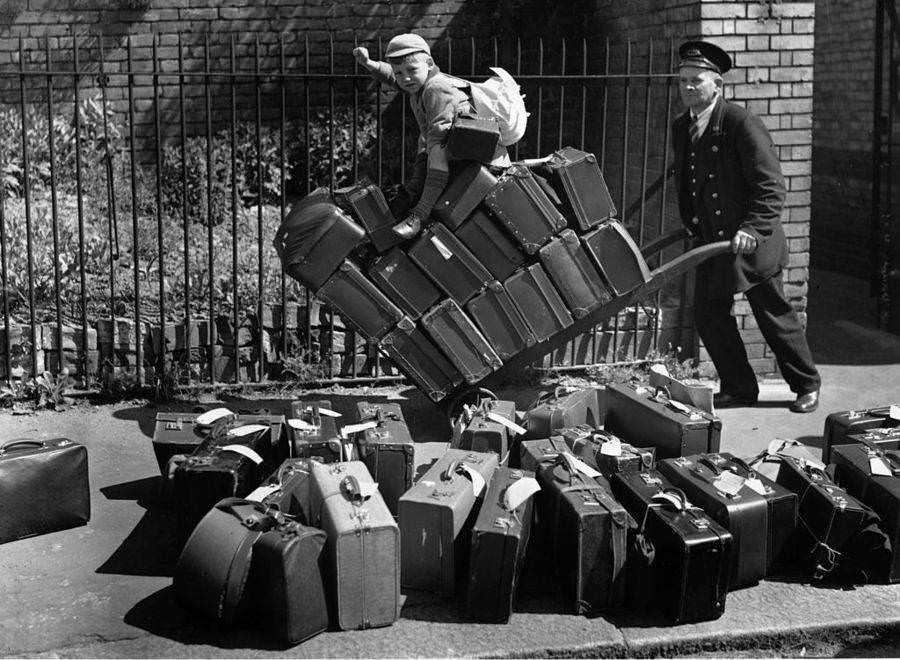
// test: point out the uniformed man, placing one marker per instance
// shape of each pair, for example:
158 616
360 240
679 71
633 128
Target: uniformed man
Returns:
730 187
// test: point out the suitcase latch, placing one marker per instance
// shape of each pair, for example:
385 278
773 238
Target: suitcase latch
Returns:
174 425
650 479
854 414
700 523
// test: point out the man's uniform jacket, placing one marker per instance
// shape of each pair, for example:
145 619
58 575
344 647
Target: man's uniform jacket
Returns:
737 184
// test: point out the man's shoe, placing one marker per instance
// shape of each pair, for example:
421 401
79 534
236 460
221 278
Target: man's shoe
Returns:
727 400
408 228
806 403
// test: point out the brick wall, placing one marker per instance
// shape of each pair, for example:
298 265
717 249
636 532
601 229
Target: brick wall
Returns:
842 137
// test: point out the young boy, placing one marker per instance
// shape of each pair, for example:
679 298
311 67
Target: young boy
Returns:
435 99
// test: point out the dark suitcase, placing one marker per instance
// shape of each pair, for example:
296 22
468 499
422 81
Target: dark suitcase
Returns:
363 546
404 283
839 537
314 433
731 503
571 270
873 476
222 466
576 178
501 321
43 487
286 585
491 244
360 303
534 453
279 434
783 513
541 306
884 439
586 530
287 489
417 357
647 419
473 138
211 574
387 449
488 429
458 338
768 462
314 238
605 452
524 208
840 425
366 204
563 407
449 263
436 518
499 543
680 558
467 187
617 256
180 433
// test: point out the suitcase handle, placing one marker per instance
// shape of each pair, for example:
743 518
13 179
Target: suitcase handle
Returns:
18 445
708 462
351 490
253 515
740 462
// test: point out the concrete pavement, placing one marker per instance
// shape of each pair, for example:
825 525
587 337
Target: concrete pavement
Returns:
104 590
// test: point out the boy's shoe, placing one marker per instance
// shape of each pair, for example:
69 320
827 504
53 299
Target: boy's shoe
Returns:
806 403
409 227
729 400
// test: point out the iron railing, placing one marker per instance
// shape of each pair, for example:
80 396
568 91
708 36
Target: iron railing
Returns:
168 161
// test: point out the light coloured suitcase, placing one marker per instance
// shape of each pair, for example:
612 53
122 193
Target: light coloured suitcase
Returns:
363 547
436 518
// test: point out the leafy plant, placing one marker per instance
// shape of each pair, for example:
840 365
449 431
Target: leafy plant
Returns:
51 389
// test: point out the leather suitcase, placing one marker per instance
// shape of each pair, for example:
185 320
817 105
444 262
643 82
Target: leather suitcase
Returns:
222 466
499 543
212 570
43 487
605 452
768 462
644 419
417 357
783 514
839 537
501 321
436 518
481 433
586 530
314 434
363 547
524 208
279 436
571 270
404 283
458 338
617 256
449 263
473 138
467 188
881 492
287 489
360 303
840 425
680 558
576 178
286 585
491 244
562 408
541 305
326 482
179 433
534 453
730 502
314 238
365 202
387 449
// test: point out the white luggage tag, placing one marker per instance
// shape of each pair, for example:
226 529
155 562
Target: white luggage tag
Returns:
210 416
778 445
729 483
611 447
512 426
327 412
367 489
350 429
245 451
756 486
579 466
478 483
669 497
348 451
441 248
894 412
518 492
247 429
879 467
302 425
261 493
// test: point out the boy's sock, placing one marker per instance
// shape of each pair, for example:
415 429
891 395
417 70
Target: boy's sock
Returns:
435 183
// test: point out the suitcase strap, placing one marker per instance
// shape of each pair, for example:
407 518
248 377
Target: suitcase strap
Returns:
890 460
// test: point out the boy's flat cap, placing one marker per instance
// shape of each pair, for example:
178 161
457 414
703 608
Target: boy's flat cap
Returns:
704 55
404 44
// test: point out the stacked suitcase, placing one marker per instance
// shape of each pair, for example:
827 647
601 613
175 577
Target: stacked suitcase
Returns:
507 260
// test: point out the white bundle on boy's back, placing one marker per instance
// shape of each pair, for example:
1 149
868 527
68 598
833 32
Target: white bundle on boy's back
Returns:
499 98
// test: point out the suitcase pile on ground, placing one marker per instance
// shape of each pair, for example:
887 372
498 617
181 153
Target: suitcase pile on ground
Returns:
507 260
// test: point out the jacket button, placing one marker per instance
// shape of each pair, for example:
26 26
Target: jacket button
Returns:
718 212
693 194
721 233
696 220
712 176
714 196
693 180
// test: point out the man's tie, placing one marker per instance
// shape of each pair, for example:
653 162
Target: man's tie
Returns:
694 130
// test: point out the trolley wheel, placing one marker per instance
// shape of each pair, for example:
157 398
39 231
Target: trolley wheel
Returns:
469 396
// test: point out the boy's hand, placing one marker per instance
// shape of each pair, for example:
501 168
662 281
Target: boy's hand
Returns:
361 53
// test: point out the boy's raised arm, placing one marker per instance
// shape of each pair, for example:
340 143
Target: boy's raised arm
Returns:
380 71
